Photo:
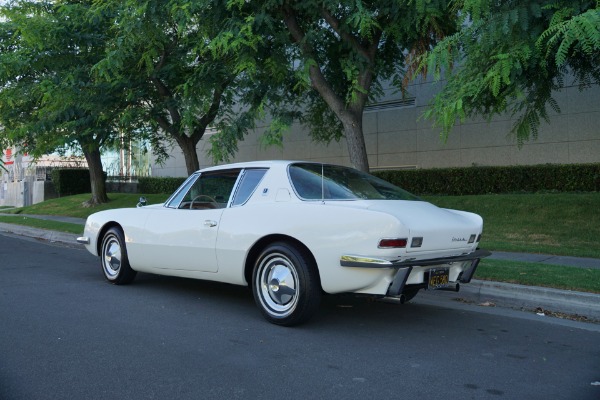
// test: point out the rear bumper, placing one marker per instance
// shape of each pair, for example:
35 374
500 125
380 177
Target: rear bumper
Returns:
468 262
355 261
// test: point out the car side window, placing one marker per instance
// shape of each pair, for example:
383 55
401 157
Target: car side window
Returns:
211 190
248 184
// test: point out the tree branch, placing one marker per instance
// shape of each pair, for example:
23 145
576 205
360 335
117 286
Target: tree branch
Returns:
165 94
334 23
318 80
163 91
211 114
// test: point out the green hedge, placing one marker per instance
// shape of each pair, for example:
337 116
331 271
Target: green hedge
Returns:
485 180
151 185
71 181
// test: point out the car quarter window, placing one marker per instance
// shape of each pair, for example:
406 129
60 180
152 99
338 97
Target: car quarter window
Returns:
211 190
248 184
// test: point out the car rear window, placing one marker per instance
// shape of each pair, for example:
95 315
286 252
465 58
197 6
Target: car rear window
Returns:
313 181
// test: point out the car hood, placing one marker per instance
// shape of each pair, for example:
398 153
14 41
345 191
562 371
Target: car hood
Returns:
440 228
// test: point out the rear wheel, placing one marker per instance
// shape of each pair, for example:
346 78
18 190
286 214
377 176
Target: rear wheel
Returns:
114 260
285 284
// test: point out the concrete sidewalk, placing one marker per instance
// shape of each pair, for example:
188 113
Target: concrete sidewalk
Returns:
479 292
581 262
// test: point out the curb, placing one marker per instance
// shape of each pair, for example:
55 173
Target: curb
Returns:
478 291
530 297
43 234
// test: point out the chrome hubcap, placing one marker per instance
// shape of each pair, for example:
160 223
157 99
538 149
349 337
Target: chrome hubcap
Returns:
277 282
112 257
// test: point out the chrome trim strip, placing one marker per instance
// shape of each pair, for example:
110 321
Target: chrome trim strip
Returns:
364 262
83 240
355 261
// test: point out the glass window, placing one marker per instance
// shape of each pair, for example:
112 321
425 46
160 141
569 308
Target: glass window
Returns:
248 184
175 200
211 190
313 181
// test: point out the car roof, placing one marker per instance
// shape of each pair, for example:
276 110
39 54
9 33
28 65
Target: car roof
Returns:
255 164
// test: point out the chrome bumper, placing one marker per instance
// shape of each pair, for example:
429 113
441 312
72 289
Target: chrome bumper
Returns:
405 267
83 240
372 262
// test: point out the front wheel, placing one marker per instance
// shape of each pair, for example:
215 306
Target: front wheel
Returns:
114 260
285 284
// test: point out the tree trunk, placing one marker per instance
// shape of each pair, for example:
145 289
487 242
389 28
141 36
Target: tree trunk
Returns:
98 185
355 139
188 147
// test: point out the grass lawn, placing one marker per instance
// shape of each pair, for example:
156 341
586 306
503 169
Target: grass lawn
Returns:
537 274
40 223
565 224
72 206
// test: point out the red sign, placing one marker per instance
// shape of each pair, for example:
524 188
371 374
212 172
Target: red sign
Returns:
8 156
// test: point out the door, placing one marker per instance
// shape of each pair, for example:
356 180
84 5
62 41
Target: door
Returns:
183 234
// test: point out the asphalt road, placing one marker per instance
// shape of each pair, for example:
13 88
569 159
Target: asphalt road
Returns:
67 334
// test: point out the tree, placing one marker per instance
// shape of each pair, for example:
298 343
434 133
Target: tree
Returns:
175 81
509 57
339 54
48 98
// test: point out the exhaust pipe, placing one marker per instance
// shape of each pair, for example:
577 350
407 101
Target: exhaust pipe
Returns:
401 299
452 287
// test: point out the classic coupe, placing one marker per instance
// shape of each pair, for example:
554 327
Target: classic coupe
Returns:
292 231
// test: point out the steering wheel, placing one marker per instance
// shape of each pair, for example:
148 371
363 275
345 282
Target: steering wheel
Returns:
211 204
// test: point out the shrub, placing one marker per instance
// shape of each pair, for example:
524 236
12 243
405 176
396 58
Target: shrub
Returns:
485 180
155 185
71 181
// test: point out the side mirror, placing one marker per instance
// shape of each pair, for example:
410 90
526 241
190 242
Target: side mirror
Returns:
142 202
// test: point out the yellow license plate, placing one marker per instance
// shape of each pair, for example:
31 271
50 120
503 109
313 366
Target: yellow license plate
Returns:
438 278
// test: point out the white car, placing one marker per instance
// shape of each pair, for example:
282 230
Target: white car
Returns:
292 230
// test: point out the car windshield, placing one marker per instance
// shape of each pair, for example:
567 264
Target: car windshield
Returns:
341 183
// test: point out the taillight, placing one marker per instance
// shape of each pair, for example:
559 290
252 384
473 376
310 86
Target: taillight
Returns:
392 243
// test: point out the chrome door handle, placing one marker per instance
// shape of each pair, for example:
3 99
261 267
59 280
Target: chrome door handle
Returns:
210 223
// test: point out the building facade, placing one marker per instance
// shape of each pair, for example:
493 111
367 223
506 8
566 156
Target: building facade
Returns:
398 137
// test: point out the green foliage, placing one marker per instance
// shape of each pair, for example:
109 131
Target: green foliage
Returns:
325 59
486 180
570 33
48 98
509 58
178 85
155 185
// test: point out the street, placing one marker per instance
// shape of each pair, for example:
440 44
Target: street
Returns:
65 333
